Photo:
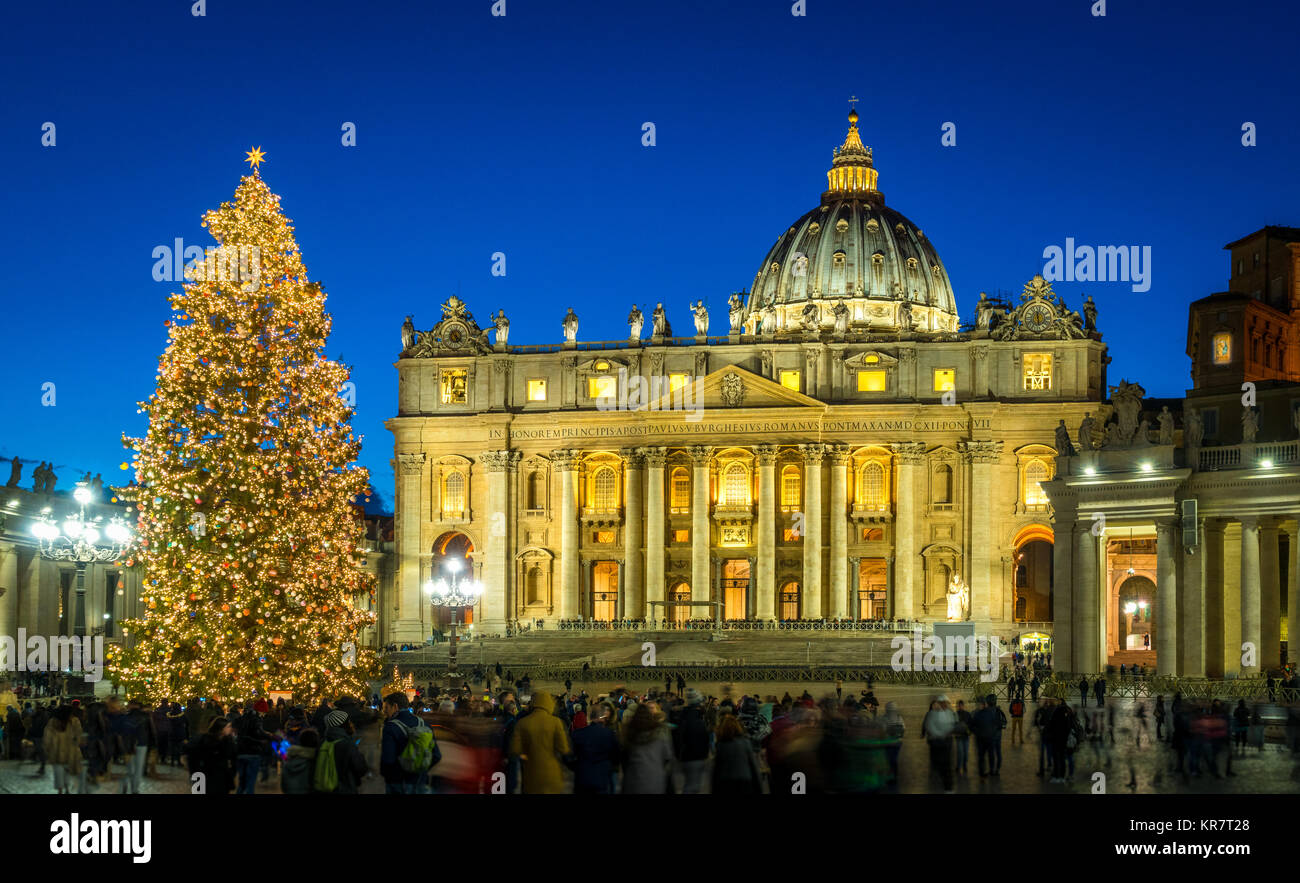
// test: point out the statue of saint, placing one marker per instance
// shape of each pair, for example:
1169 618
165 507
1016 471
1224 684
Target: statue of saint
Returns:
1249 425
97 486
841 313
736 312
1085 433
502 325
767 363
701 318
769 320
905 316
570 326
1089 315
50 479
958 599
1166 421
1193 428
810 317
15 472
635 321
38 478
1127 399
983 313
408 334
1063 446
659 318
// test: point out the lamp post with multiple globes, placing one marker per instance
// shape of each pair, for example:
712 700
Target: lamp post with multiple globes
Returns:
459 592
77 540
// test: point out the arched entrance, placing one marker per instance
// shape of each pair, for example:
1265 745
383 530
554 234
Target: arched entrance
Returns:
1032 575
1130 599
790 600
679 613
452 559
1136 600
604 591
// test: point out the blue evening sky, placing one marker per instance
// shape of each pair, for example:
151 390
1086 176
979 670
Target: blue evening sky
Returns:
478 134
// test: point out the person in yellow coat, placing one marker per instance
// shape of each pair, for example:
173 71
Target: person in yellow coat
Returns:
540 741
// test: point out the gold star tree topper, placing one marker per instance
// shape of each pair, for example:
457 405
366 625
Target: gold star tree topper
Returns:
255 156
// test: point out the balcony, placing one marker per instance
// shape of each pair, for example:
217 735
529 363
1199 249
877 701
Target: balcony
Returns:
870 515
733 513
601 517
1249 456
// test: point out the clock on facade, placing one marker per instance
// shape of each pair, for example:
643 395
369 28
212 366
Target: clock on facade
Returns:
1037 317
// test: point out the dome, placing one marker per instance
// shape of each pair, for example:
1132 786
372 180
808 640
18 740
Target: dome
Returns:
852 249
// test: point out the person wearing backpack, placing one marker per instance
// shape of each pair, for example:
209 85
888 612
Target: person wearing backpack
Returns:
409 749
298 774
340 765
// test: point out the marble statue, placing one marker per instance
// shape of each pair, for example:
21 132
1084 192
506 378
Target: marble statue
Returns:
983 313
736 312
701 318
841 314
1114 436
570 326
1193 428
408 334
1089 315
1249 425
769 320
1166 421
767 363
958 599
502 325
50 479
15 472
1143 437
1063 446
659 320
1127 399
1085 433
810 316
635 322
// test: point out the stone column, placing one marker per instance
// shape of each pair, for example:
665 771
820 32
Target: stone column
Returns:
908 456
1063 644
1191 611
410 518
765 575
1293 596
567 464
654 538
855 587
1270 596
982 455
1212 550
1250 595
811 606
9 600
1168 551
715 588
586 597
700 456
631 597
495 606
839 558
1087 634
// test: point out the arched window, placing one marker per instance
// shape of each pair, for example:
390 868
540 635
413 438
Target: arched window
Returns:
943 484
537 490
605 489
871 486
453 496
791 488
735 485
1035 472
681 490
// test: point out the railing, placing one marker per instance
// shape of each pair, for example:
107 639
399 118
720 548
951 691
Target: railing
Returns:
627 343
1249 456
733 625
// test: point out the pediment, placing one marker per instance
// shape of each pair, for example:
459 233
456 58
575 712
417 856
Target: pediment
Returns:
870 359
734 387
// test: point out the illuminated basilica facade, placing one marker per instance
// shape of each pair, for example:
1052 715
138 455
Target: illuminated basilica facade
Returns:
838 450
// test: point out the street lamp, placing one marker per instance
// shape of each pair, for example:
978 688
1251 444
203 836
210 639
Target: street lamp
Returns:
78 540
455 594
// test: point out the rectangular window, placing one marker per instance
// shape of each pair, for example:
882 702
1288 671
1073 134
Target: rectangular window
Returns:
604 387
1038 372
1222 348
871 381
537 390
790 380
790 535
1210 422
681 536
945 379
677 381
455 387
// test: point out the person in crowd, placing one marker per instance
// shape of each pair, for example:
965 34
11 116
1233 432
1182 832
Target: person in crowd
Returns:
1017 707
63 748
596 753
647 752
961 736
936 729
36 732
988 723
213 755
691 740
251 743
401 726
735 768
540 741
297 776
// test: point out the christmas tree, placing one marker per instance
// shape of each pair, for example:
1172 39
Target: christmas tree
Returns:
248 537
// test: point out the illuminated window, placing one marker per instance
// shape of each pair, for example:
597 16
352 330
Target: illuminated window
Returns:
871 360
789 535
681 536
791 488
677 381
1222 348
605 489
604 387
537 390
455 387
945 379
735 485
871 381
1038 371
871 486
1035 472
790 380
453 496
681 490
